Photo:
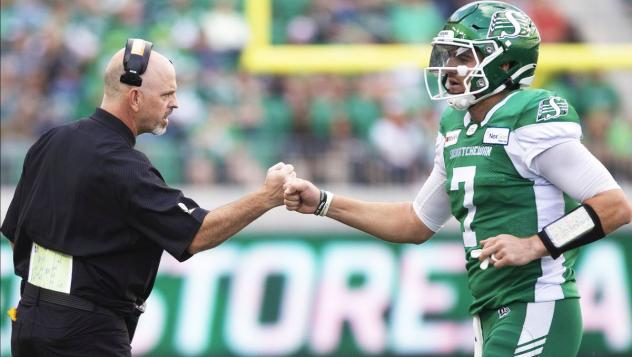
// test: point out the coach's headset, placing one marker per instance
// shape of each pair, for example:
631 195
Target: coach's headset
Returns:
135 60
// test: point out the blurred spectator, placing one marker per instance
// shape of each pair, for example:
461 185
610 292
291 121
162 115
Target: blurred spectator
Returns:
397 141
303 147
231 125
606 134
226 31
290 23
328 95
415 21
595 93
363 104
552 25
619 138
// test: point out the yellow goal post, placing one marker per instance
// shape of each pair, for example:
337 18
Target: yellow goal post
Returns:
261 56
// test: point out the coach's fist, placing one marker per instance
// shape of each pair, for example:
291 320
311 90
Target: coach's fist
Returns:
301 196
273 186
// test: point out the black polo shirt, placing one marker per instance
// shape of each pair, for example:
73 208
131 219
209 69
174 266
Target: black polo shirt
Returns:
85 191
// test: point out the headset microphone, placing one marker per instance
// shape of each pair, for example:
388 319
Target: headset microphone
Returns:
135 60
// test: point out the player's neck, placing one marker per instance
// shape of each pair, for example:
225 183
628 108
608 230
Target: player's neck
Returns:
479 110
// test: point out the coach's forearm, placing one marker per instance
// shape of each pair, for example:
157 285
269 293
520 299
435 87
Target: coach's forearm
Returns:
393 222
224 222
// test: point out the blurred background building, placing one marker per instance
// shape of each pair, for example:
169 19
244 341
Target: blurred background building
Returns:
357 130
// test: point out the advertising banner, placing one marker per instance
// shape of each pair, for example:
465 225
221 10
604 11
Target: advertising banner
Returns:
342 294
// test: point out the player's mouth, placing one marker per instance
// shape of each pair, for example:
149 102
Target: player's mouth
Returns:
454 86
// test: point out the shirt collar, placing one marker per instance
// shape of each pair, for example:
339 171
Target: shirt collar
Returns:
115 124
468 118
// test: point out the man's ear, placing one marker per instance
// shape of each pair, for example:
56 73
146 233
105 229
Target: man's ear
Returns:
135 97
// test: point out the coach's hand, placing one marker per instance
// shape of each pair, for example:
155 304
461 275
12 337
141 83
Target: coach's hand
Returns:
507 250
301 196
273 186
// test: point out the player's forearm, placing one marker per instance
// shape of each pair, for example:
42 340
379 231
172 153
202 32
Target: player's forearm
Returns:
613 208
224 222
393 222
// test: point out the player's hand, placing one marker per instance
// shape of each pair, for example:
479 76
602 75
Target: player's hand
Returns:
507 250
276 177
301 196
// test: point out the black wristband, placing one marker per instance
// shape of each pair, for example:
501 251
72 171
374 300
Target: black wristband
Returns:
555 253
321 204
553 245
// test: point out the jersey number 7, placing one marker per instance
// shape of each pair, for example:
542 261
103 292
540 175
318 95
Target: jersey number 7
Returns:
466 175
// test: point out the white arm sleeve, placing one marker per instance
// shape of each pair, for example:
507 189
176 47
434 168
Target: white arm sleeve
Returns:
573 169
432 204
533 140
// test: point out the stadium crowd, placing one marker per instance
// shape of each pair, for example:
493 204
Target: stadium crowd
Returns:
231 125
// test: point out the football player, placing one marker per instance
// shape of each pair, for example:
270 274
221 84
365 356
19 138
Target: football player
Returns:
510 167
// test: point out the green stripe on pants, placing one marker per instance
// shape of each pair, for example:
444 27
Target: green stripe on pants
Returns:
552 328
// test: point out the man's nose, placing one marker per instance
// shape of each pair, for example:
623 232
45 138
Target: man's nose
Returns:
451 62
174 105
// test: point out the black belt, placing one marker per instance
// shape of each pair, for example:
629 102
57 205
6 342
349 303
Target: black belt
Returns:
34 294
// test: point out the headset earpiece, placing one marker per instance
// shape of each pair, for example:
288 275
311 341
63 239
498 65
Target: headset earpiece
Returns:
135 60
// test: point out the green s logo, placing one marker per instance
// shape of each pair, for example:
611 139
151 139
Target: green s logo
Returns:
551 108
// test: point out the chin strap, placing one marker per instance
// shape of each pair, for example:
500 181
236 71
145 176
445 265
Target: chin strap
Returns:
462 103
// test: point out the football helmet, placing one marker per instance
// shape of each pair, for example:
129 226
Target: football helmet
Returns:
490 46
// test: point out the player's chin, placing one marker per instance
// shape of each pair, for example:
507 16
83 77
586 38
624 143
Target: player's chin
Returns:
456 89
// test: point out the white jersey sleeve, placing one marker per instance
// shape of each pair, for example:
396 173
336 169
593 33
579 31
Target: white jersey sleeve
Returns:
536 138
432 204
574 170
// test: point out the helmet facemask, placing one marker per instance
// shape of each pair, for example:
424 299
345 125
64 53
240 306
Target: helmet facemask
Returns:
502 44
449 65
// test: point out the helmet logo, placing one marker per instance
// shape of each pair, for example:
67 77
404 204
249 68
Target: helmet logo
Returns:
446 34
551 108
508 24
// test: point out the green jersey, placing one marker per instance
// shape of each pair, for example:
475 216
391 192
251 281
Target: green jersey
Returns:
494 187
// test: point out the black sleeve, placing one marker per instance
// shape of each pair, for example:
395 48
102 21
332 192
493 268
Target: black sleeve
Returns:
10 222
160 213
23 188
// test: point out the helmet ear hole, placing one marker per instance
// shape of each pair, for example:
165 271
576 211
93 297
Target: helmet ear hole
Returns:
508 66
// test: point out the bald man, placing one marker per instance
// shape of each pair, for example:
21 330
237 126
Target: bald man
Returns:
91 217
143 109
